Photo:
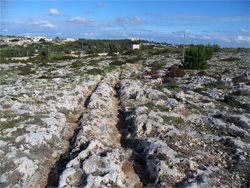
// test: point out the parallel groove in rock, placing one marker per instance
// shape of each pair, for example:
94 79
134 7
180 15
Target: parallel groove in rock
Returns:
60 165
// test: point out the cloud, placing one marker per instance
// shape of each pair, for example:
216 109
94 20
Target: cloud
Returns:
187 31
90 35
200 17
55 12
127 20
242 39
34 23
103 4
5 30
244 31
206 37
49 25
88 12
77 20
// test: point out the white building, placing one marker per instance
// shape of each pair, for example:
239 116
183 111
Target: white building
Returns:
134 39
70 40
135 46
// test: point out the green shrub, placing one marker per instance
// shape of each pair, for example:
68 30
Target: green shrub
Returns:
196 57
172 87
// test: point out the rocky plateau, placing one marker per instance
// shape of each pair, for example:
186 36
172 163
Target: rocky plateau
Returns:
125 121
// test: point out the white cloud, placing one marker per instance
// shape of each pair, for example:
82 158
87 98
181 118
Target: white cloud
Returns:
103 4
187 31
34 23
55 12
88 12
90 35
244 31
127 20
240 39
77 20
49 25
200 17
5 30
206 37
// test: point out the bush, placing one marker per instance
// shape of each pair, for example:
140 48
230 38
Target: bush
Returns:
240 79
196 57
178 72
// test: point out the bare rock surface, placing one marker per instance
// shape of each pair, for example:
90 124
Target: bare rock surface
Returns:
84 123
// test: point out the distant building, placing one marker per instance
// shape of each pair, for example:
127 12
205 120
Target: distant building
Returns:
36 39
70 40
135 46
49 39
134 39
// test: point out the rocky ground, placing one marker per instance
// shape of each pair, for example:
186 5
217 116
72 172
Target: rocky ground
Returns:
125 121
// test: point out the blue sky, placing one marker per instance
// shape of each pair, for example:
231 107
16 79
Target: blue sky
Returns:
216 22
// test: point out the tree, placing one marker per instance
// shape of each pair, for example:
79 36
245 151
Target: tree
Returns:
196 57
216 48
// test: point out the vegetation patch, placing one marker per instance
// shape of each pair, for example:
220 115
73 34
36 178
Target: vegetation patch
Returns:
14 121
154 74
230 100
240 79
172 86
157 65
110 68
196 57
240 92
231 59
60 57
151 105
26 70
95 71
77 64
93 62
218 85
178 72
204 73
117 63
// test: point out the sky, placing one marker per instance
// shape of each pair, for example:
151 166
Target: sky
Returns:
216 22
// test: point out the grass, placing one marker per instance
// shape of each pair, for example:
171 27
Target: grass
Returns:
174 120
151 105
95 71
26 70
60 57
77 64
157 65
93 62
218 85
193 108
231 59
14 122
110 68
231 101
